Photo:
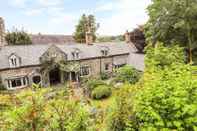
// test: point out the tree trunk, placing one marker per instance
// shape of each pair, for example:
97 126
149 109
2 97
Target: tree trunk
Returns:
189 45
190 56
189 35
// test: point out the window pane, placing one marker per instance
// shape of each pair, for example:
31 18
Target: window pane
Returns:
85 71
18 82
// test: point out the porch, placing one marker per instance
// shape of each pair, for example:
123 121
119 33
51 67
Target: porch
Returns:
56 76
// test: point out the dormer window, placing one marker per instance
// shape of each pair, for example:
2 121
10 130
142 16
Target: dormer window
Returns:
104 51
14 61
75 54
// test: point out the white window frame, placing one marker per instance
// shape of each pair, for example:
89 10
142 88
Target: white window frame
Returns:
85 74
23 82
14 61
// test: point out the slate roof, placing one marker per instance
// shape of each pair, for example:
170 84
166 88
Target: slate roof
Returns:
48 39
30 54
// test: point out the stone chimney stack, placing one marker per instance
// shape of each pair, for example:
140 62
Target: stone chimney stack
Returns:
89 37
127 37
2 32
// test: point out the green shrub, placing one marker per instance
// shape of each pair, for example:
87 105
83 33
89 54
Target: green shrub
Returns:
93 83
2 87
101 92
104 76
120 115
168 98
32 111
127 74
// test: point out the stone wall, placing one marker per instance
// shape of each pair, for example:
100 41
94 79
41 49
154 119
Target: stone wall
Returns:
28 72
97 66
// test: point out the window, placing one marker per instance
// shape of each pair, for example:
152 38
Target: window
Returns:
120 65
18 82
104 52
85 70
36 79
75 55
106 67
14 61
54 55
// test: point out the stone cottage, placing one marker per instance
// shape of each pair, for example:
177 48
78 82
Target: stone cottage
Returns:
20 66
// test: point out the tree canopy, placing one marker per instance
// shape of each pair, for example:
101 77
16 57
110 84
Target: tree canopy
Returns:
138 38
17 37
86 24
173 21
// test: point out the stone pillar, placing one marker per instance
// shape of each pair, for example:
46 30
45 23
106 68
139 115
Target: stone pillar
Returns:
62 77
70 76
77 77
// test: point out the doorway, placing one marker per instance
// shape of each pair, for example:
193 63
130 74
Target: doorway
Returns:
73 77
54 76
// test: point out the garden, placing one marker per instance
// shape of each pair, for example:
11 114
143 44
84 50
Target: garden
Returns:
52 107
164 97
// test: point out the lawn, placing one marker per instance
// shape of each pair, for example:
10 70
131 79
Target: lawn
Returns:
194 68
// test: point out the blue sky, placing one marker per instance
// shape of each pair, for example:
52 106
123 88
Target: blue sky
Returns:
61 16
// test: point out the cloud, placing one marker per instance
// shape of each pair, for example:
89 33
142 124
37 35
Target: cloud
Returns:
34 12
114 16
18 3
128 15
48 3
106 7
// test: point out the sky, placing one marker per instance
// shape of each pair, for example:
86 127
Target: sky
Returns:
61 16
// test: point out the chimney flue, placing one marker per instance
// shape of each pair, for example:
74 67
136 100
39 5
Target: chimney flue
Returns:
89 38
127 37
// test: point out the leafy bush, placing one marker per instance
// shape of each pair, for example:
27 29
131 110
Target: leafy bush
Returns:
90 84
32 110
161 56
120 115
168 98
101 92
127 74
18 38
104 76
168 101
2 87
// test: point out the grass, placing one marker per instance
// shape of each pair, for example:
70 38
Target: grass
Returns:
194 68
104 106
104 103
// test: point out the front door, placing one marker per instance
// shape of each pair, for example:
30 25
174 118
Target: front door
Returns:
73 76
54 76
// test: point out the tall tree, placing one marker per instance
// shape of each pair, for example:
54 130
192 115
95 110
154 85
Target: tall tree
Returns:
173 21
138 38
86 24
17 37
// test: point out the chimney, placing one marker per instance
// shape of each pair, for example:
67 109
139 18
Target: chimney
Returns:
2 33
89 38
127 37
